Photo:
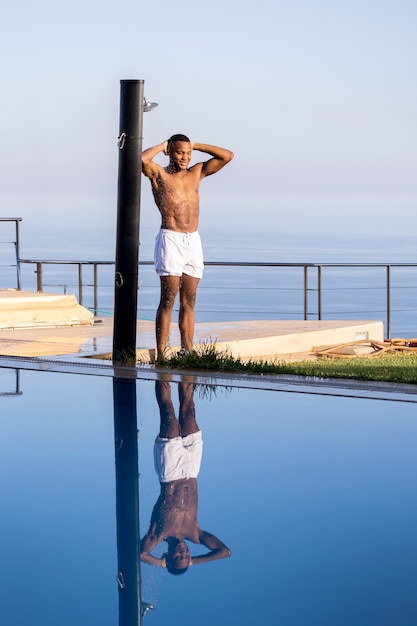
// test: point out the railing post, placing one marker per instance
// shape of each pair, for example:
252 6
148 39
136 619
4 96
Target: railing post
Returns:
39 280
80 283
95 280
17 250
305 292
319 292
388 302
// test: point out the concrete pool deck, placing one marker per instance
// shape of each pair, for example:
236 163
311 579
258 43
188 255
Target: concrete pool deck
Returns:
254 339
39 324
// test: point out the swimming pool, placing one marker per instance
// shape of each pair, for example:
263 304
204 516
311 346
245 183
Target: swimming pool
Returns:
313 494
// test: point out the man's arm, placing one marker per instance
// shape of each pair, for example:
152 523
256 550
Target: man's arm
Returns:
147 544
217 549
220 158
149 168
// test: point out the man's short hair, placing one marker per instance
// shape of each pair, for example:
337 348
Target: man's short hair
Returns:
178 137
174 570
171 566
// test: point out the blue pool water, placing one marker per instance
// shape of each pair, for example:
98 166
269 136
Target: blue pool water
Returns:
314 495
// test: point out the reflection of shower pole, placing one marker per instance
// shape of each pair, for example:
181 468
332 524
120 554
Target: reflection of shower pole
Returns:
127 501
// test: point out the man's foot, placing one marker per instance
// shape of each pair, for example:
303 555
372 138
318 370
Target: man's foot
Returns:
160 358
183 352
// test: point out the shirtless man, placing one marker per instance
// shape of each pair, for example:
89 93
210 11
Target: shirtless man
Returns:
177 454
178 251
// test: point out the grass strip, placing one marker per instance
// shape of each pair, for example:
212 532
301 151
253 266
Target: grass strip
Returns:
394 367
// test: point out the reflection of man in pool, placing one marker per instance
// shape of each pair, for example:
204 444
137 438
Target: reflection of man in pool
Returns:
177 454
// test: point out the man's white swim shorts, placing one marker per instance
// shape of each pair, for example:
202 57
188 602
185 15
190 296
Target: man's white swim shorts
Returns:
176 254
178 458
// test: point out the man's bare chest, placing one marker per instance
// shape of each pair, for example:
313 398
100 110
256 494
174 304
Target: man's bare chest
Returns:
178 186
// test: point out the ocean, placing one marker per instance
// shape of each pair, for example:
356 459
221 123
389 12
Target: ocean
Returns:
228 293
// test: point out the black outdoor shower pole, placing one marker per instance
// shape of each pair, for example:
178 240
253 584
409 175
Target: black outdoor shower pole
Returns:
128 215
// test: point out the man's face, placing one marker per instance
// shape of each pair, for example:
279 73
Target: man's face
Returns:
180 154
180 557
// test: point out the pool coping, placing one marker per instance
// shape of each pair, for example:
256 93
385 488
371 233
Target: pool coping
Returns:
398 392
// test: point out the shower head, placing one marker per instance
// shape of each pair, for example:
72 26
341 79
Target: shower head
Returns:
147 607
148 106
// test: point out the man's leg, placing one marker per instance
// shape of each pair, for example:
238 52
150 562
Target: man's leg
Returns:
188 293
187 416
169 290
169 427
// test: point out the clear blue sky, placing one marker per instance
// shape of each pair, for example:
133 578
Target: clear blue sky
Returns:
316 98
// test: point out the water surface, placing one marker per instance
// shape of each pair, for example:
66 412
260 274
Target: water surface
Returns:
314 495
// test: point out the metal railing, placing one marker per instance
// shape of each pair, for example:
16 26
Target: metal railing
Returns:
79 264
387 267
13 386
15 244
312 281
